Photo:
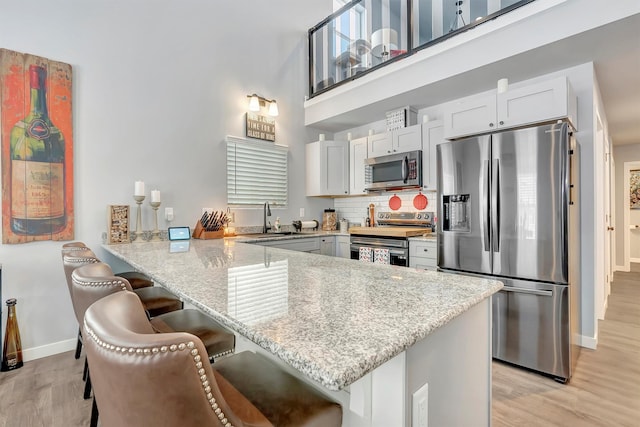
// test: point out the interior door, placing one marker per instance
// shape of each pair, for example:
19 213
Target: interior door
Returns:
529 202
463 222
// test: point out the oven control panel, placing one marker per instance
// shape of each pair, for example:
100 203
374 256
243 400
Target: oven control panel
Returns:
416 219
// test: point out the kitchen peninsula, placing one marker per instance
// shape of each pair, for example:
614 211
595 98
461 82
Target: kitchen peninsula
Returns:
369 335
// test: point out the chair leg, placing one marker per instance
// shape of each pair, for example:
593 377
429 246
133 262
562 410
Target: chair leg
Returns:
78 345
94 414
87 387
86 370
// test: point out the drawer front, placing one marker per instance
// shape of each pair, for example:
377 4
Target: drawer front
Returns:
302 245
423 250
424 264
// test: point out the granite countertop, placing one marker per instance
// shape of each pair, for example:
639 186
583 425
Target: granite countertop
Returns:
333 319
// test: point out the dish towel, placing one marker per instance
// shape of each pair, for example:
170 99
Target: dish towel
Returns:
381 256
366 254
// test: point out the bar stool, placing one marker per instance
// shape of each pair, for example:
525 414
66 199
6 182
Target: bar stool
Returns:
136 279
142 378
76 256
95 281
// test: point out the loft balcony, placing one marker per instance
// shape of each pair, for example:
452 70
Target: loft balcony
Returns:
366 35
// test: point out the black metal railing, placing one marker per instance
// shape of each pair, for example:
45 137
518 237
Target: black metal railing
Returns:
365 35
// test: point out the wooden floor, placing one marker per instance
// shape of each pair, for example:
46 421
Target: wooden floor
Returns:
604 391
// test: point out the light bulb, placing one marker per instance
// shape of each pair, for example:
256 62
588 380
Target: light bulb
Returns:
273 108
254 103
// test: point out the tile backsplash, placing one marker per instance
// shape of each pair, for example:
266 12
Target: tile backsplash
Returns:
355 209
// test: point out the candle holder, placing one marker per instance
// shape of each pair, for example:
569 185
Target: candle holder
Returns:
138 233
155 234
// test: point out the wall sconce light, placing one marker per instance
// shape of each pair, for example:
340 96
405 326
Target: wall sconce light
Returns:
256 102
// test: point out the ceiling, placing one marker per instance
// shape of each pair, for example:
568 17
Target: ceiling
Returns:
614 49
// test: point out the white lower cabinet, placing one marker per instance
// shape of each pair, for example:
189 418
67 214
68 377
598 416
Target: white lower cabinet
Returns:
328 245
343 246
423 254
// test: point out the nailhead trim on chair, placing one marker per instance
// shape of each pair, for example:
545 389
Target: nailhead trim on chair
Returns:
78 260
100 283
163 349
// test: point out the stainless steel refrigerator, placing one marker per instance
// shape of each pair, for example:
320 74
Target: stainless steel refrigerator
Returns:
508 209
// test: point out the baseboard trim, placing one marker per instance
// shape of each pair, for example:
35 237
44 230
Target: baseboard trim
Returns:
634 259
620 268
48 350
588 342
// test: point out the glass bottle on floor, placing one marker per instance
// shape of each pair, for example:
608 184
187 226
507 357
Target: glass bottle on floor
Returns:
12 349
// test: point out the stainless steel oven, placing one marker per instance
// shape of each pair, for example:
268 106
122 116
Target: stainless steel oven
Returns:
398 248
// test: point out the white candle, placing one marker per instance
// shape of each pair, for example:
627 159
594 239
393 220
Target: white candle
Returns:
322 137
155 196
139 188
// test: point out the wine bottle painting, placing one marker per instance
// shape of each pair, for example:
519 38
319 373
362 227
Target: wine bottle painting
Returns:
37 148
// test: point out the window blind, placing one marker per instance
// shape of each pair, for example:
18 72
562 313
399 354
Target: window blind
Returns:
256 172
257 292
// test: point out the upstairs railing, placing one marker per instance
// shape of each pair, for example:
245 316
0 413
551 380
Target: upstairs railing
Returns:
368 34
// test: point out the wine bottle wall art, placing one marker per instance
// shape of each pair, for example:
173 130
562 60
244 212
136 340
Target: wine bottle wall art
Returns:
37 148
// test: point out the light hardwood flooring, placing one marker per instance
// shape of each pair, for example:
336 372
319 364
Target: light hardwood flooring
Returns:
604 391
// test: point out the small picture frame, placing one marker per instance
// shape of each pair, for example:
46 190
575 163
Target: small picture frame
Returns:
118 224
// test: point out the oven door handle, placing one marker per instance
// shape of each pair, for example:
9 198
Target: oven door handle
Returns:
356 242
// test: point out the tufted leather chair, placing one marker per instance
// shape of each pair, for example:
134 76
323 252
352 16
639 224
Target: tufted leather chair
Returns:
142 378
95 281
136 279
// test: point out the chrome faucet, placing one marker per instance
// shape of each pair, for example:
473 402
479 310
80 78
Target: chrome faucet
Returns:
267 212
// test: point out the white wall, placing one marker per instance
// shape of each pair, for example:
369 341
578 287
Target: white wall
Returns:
157 85
622 154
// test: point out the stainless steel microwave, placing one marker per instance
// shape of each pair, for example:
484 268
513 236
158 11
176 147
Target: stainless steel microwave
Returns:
394 172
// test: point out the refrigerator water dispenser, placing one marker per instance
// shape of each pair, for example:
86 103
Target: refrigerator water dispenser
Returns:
456 213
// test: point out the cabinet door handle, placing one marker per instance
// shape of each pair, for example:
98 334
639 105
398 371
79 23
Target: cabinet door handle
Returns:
426 250
388 151
490 125
501 122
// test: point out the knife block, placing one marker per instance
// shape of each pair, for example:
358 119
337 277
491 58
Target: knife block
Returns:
200 233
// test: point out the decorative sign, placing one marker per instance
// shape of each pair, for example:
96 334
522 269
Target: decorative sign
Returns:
261 127
634 190
118 224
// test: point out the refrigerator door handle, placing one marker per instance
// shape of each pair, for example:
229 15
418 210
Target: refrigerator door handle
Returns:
541 293
495 205
485 208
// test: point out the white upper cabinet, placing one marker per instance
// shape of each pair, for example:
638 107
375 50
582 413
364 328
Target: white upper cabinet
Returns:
380 144
432 135
327 168
535 103
550 100
396 141
357 156
471 115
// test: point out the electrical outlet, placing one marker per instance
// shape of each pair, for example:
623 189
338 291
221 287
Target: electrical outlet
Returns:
168 214
301 212
420 407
